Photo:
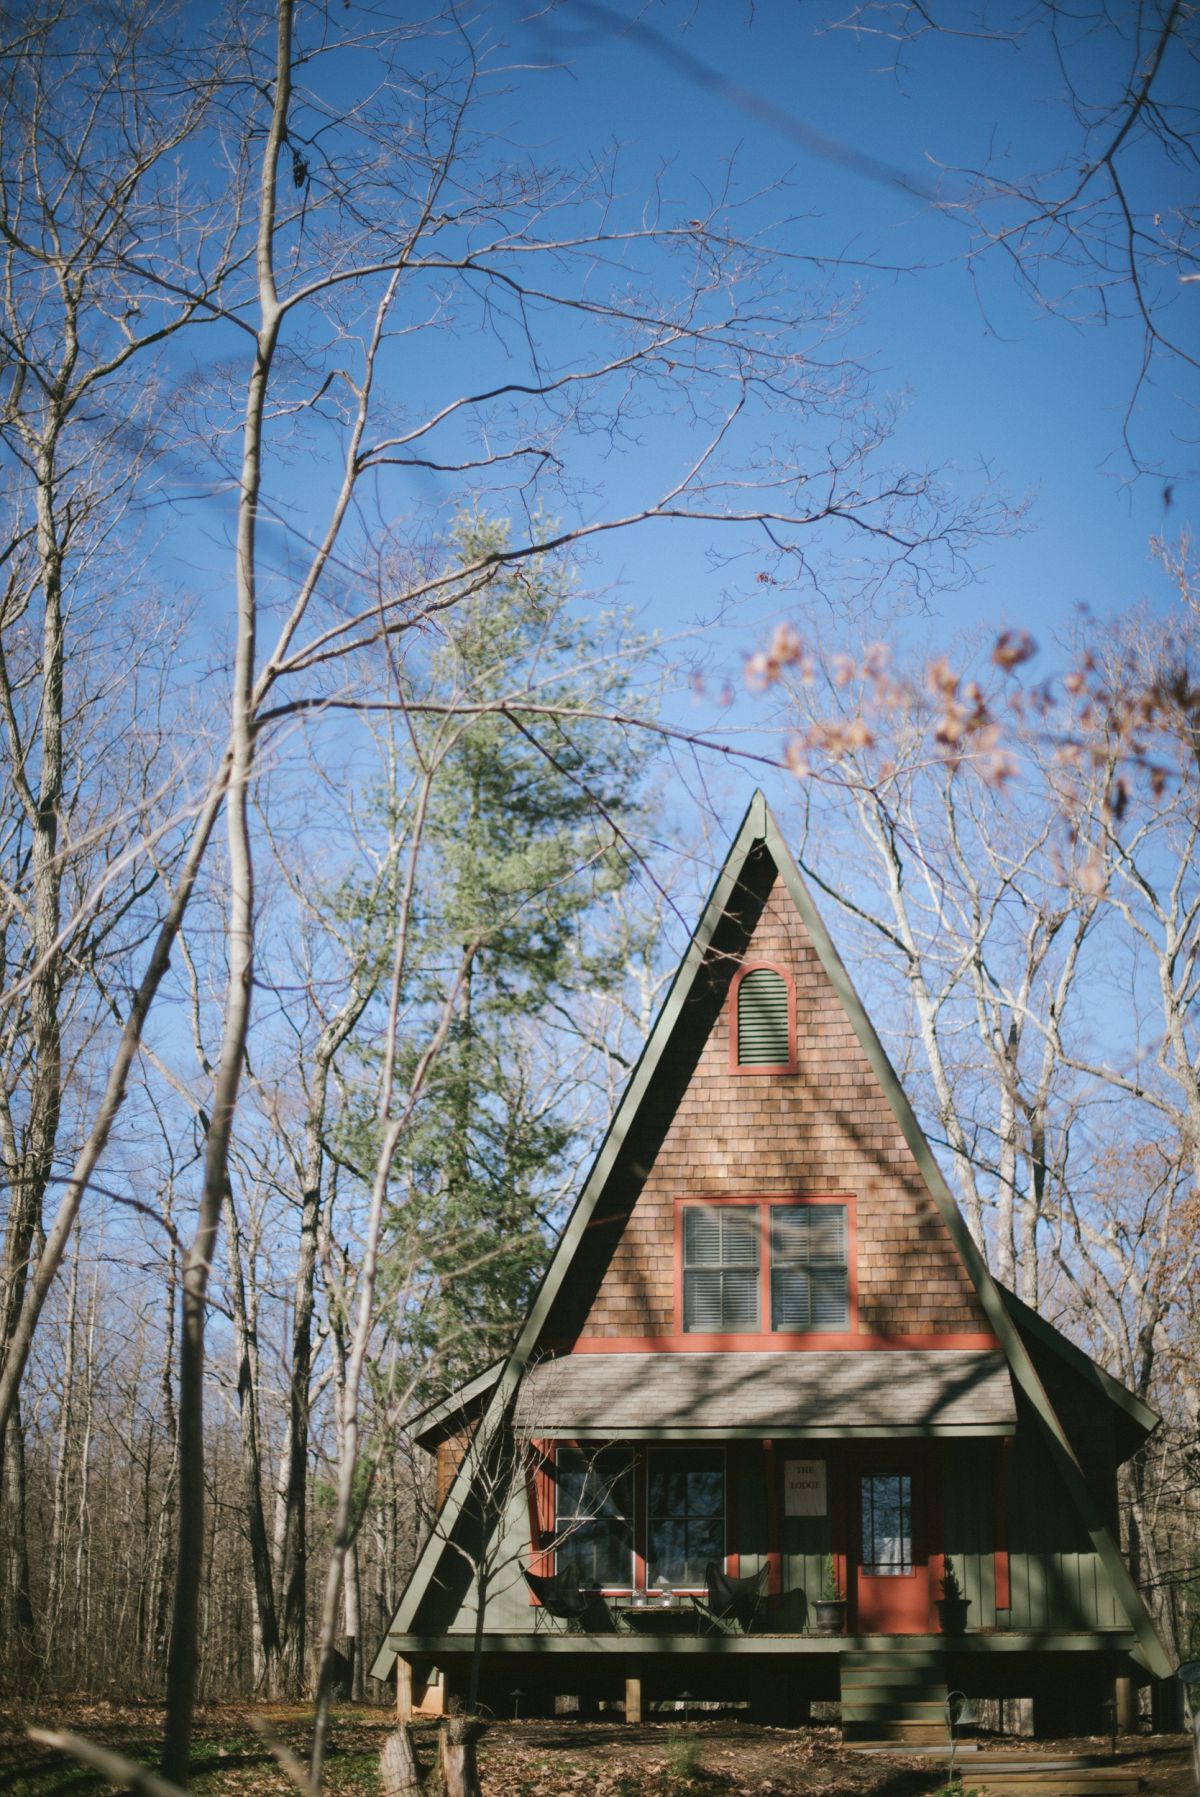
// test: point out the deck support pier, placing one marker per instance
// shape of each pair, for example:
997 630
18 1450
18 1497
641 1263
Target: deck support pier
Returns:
1128 1709
633 1700
404 1691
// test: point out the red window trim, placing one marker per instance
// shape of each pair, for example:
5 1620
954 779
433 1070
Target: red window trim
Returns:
765 1336
679 1343
1003 1597
539 1493
773 1478
791 1065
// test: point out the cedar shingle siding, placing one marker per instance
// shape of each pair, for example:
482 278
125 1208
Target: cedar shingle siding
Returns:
827 1128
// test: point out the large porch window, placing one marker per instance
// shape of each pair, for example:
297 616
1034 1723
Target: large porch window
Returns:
685 1522
594 1516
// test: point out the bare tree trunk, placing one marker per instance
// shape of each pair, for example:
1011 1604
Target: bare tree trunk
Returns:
352 1603
182 1657
291 1518
57 1569
393 1121
19 1594
83 1544
31 1175
267 1633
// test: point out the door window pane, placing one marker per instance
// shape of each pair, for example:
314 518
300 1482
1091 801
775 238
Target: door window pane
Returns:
887 1525
685 1524
594 1516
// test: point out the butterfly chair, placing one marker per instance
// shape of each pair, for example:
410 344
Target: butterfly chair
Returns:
731 1601
558 1595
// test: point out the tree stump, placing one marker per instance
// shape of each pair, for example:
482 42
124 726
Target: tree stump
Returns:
456 1756
399 1774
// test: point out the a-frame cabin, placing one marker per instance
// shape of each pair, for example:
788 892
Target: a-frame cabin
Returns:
767 1343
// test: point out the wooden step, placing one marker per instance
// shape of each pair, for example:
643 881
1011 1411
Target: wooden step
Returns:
894 1734
898 1709
1056 1784
894 1679
894 1697
891 1656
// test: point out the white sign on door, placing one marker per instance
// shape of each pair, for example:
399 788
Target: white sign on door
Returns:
804 1488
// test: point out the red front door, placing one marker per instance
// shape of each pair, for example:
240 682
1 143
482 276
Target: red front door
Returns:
891 1583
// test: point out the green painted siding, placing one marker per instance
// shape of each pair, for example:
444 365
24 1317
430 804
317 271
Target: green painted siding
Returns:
450 1606
968 1525
806 1541
1058 1580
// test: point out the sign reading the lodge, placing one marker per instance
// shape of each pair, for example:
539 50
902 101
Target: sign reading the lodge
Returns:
804 1487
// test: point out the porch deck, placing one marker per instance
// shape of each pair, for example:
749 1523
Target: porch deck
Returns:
623 1645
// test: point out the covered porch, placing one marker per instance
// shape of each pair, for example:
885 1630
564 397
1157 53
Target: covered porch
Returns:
829 1474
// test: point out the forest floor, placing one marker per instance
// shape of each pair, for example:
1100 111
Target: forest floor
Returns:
565 1758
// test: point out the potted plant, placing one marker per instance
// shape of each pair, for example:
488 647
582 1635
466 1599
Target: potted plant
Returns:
830 1607
952 1605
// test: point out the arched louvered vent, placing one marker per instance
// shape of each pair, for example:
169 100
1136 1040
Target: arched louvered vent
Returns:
762 1019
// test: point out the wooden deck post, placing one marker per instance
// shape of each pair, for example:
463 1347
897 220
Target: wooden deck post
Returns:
633 1700
404 1691
1128 1713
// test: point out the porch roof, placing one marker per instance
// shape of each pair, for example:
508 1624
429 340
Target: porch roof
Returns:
899 1391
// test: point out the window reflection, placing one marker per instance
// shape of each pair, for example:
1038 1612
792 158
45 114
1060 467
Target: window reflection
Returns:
685 1523
887 1525
594 1516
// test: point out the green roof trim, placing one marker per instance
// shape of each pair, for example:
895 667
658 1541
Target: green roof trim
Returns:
758 829
1026 1317
454 1404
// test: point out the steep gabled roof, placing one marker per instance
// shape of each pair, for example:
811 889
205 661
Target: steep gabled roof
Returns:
1133 1420
757 857
446 1416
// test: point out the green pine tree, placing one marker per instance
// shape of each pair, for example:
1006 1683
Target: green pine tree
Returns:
524 841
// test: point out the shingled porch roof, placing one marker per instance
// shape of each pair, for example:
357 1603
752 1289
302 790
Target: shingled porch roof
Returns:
906 1392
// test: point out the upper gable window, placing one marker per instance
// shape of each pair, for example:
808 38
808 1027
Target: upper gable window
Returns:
766 1267
809 1272
763 1024
720 1268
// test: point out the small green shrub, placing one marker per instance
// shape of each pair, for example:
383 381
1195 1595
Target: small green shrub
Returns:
950 1586
683 1758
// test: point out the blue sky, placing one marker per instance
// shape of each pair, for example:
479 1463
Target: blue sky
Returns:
986 380
991 388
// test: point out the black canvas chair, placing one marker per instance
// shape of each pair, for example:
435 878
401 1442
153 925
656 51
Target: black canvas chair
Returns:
558 1595
732 1601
